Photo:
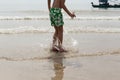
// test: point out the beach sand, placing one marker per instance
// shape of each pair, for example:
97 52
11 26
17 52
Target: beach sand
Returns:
85 68
91 56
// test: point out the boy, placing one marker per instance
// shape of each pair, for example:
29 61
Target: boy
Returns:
57 21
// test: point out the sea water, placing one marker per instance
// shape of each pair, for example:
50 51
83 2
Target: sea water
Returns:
25 29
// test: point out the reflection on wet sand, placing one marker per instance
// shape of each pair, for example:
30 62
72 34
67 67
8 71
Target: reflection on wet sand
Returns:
58 66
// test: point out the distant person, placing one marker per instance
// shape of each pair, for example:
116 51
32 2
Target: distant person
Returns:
56 19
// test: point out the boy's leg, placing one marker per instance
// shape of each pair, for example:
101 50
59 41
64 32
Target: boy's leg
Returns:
55 36
60 39
60 36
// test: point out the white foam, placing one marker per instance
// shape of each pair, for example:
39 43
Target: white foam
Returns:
47 18
24 29
99 18
31 29
23 18
94 30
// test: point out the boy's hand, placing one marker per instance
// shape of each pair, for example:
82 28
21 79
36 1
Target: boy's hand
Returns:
72 15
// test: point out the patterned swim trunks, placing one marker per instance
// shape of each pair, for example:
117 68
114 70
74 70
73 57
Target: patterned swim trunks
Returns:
56 17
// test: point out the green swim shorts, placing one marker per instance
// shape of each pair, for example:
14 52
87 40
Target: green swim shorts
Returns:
56 17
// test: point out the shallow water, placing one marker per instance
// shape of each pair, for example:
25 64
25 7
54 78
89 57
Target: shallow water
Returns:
25 47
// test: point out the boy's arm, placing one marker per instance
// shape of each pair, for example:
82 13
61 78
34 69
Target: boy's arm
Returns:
66 10
49 4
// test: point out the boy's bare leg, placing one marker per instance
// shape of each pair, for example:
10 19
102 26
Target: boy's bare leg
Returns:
58 35
60 38
55 36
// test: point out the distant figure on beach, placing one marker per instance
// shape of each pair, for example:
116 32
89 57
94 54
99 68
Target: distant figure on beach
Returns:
56 19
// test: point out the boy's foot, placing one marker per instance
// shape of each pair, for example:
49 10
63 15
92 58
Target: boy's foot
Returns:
55 48
62 50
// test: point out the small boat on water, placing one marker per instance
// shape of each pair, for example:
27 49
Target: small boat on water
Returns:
105 4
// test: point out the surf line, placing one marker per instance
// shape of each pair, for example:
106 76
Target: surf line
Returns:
66 55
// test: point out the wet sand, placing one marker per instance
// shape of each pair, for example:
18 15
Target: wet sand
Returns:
85 68
91 56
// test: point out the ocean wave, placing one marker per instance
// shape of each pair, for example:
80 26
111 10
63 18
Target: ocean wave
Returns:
99 18
23 18
70 54
93 30
31 29
66 18
24 29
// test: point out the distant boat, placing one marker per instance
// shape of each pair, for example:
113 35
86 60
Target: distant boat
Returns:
105 4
